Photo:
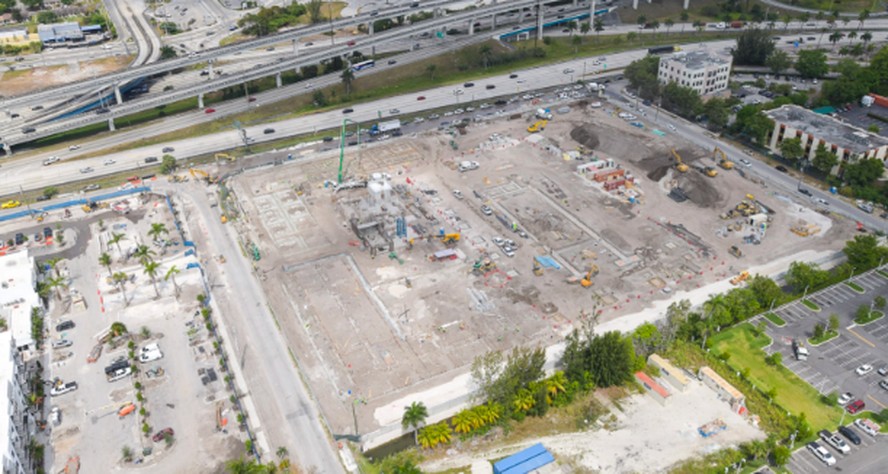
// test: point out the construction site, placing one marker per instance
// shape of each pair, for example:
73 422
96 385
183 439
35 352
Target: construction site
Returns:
435 248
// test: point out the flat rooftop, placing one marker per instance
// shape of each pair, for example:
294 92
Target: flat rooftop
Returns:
827 128
697 59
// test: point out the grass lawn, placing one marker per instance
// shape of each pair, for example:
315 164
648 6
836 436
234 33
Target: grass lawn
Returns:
794 394
855 287
827 335
775 319
811 305
873 316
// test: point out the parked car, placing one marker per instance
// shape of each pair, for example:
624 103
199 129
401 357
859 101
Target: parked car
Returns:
883 370
782 169
63 388
162 434
47 232
867 426
65 325
61 343
55 416
821 453
855 406
864 369
835 441
850 434
883 384
845 398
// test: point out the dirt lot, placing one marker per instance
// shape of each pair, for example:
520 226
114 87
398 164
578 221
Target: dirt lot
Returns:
23 81
372 317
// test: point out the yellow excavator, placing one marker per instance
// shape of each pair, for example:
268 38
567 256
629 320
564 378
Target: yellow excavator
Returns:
451 238
538 126
722 159
586 282
537 268
223 155
679 164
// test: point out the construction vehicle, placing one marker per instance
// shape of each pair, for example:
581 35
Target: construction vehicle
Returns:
223 155
451 238
483 265
707 170
679 164
586 282
735 251
805 230
743 276
537 268
722 159
538 126
89 207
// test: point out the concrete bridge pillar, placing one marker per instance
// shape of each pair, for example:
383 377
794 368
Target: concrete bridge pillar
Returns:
200 103
471 26
111 124
494 21
687 4
540 22
635 4
8 149
370 28
592 14
277 80
118 95
295 46
210 68
373 50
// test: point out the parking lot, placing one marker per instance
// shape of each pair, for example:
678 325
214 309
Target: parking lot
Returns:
866 457
830 367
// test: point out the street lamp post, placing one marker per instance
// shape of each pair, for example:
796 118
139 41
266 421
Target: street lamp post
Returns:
805 292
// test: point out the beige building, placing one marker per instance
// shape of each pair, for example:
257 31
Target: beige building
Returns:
702 70
848 142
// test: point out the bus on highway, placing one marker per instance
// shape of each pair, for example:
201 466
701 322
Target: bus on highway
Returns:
363 65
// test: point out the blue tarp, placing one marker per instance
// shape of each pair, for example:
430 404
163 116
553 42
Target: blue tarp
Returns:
525 461
73 202
547 262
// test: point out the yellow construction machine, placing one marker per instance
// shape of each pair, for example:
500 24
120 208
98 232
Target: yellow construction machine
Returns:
223 155
735 251
537 268
679 164
743 276
451 238
538 126
710 171
722 159
586 282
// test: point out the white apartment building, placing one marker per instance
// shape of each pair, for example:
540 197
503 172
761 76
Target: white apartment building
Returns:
701 70
17 426
848 142
18 294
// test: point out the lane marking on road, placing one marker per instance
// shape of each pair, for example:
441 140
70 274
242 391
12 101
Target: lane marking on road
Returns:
865 340
876 401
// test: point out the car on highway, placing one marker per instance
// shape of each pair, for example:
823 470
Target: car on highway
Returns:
65 325
51 160
162 435
91 187
209 111
746 162
86 170
63 388
855 406
422 97
513 76
821 453
671 127
864 369
348 110
781 169
102 111
850 434
392 61
73 147
351 43
394 111
268 131
109 161
805 192
10 204
469 84
845 398
29 130
251 99
168 149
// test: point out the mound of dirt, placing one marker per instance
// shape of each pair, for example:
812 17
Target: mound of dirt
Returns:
585 135
700 189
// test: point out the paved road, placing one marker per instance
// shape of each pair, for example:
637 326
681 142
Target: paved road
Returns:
286 410
787 6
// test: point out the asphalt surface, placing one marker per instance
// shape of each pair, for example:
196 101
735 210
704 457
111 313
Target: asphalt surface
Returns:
830 366
866 458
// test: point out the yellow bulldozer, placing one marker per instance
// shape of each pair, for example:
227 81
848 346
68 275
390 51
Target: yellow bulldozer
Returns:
679 164
538 126
743 276
451 238
722 159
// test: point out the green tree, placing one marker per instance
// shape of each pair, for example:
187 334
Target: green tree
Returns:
167 52
824 160
778 61
486 52
753 123
766 291
585 28
105 261
647 339
313 8
642 21
414 416
863 172
718 112
642 76
151 268
157 230
753 47
144 253
803 275
433 435
430 69
811 64
791 149
347 77
862 17
864 252
866 37
167 164
598 26
818 330
171 275
576 41
834 38
462 421
50 192
668 23
833 322
120 279
780 455
115 240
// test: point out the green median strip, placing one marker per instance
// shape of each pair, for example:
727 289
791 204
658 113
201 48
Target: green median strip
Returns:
883 273
811 305
872 316
827 336
855 287
777 320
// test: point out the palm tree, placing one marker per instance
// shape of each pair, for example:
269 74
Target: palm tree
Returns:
414 416
105 261
852 35
120 279
282 452
820 16
577 41
864 14
431 70
555 385
585 28
171 275
571 27
787 19
243 466
347 77
834 38
118 329
834 16
433 435
668 24
598 26
462 422
144 254
523 400
56 283
684 19
803 18
641 20
494 412
157 229
845 21
115 240
655 25
866 37
150 268
54 265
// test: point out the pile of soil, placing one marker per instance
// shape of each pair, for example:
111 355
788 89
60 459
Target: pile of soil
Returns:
700 189
585 135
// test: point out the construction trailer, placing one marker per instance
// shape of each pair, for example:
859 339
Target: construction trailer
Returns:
385 127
